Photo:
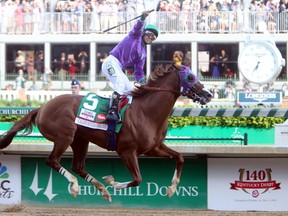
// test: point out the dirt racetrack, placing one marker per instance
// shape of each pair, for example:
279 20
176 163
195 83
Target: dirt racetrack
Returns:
75 211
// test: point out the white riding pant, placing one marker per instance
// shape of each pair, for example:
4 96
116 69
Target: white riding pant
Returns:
112 68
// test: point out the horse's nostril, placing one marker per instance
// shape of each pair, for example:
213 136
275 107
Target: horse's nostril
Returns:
203 102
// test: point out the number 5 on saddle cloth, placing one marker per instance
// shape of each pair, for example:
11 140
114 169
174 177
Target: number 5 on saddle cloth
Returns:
92 113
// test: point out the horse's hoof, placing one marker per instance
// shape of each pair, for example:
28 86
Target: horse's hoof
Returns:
74 193
170 191
74 190
107 197
108 179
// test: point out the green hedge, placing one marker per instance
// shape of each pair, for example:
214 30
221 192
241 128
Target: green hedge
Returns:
174 121
256 122
20 103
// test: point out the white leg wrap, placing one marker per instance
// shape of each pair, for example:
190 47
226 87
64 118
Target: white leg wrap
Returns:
66 174
89 178
175 181
72 179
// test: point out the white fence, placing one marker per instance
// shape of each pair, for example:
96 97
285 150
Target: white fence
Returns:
201 21
41 96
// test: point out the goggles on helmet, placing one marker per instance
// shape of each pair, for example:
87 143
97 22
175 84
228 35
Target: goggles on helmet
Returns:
150 34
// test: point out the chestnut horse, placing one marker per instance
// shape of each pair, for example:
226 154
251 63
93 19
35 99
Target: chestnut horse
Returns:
143 130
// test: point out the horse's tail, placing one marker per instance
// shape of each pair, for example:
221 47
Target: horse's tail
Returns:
26 124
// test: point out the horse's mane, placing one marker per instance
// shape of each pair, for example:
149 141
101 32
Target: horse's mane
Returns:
159 71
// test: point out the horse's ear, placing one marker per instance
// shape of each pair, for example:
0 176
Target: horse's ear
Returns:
179 68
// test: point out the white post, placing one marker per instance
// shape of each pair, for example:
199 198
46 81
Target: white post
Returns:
148 62
93 59
194 64
47 55
3 65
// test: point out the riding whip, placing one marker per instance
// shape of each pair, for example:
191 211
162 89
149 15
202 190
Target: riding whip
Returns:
125 22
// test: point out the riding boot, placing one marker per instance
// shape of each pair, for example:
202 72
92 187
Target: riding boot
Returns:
113 113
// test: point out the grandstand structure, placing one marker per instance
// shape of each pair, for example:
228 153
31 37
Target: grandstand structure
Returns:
199 44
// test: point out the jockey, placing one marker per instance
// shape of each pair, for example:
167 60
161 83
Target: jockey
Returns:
130 53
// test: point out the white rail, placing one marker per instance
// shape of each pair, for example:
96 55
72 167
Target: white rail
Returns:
40 95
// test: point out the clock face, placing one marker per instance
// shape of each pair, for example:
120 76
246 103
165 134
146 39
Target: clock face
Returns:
259 62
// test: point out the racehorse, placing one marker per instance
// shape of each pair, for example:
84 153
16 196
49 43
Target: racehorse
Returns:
143 131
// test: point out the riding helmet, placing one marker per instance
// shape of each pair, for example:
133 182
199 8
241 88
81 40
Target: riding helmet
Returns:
152 28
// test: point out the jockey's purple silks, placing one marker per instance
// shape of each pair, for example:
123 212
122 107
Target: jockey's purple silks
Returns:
131 52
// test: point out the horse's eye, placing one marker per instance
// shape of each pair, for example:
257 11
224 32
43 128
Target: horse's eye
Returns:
190 78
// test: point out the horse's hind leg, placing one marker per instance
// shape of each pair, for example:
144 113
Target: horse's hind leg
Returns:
164 151
80 148
131 162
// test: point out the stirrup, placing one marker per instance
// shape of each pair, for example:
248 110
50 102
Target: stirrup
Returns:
113 117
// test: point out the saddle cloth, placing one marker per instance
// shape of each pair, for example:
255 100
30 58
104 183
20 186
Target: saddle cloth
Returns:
93 110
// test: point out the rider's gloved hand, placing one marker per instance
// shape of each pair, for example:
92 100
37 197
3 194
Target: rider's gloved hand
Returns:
144 15
142 81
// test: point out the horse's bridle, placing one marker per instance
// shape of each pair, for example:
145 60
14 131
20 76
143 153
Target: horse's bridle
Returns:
194 92
195 88
190 94
139 85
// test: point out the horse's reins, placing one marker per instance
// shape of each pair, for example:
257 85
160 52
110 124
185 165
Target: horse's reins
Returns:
196 89
138 85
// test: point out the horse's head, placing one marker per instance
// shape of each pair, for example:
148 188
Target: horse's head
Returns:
191 87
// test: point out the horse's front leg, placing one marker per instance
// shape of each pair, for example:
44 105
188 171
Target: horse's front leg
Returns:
131 162
80 148
74 187
164 151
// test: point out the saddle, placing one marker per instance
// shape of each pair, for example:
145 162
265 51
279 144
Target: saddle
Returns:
92 114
